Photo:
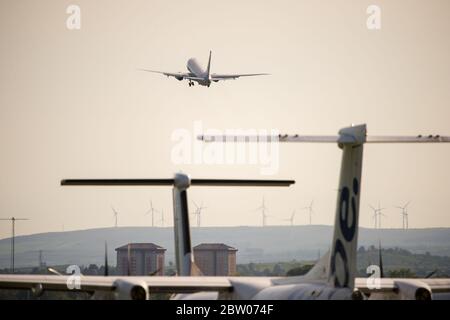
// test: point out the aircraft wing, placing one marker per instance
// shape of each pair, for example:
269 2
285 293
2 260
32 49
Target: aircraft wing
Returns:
55 283
177 75
403 286
128 287
122 285
221 77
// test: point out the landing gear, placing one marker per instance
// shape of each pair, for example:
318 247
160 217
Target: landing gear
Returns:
191 84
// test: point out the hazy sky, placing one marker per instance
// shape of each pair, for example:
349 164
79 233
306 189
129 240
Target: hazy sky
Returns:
73 105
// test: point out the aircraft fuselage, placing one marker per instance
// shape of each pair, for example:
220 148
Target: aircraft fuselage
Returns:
197 71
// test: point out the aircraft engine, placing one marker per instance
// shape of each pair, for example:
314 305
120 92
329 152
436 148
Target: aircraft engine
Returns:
413 290
131 289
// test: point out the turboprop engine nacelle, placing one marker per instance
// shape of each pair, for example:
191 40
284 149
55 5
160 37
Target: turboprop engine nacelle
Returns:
131 289
413 290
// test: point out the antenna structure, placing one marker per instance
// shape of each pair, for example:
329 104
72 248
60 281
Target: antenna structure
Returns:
13 223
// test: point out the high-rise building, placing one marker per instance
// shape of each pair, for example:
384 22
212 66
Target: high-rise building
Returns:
215 259
144 259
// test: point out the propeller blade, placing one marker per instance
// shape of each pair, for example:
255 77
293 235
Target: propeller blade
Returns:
380 261
106 260
431 274
56 272
154 273
129 260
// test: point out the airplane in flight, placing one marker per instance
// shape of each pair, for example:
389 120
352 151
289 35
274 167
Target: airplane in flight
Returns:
202 77
332 278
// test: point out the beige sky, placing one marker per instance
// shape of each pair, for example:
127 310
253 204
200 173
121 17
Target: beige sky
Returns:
72 105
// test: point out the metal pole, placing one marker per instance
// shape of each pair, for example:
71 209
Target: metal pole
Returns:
12 239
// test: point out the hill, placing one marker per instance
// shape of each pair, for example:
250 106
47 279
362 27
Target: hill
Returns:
255 244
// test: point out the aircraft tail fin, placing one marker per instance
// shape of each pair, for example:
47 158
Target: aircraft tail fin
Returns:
342 265
342 261
320 270
195 270
183 249
208 68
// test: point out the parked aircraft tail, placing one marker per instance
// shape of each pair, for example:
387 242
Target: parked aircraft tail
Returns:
208 68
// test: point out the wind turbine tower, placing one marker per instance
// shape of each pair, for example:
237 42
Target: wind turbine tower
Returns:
377 214
198 213
263 209
115 214
13 222
404 214
291 218
152 210
310 211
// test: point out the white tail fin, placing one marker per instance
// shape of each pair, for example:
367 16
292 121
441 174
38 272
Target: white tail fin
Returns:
342 268
208 68
183 248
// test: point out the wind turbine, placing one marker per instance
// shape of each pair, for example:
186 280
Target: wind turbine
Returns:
115 214
152 210
198 212
404 214
13 222
291 218
310 211
263 209
377 215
